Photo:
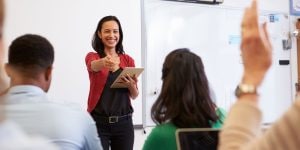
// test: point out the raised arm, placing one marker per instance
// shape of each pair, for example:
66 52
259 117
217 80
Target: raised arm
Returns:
243 122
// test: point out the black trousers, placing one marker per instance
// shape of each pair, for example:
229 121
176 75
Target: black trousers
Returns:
118 135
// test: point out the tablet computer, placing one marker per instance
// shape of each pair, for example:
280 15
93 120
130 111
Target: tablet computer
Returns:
131 71
197 138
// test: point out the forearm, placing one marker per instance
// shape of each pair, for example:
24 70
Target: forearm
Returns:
97 65
133 91
238 133
242 124
283 134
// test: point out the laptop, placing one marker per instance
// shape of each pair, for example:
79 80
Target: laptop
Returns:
197 138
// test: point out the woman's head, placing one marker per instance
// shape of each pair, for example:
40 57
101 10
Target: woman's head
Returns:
108 35
184 97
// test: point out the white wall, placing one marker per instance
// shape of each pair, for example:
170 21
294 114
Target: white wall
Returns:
273 5
69 25
213 32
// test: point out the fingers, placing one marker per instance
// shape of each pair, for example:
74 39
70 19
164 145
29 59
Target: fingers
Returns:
111 63
266 36
255 46
129 81
254 4
135 78
250 18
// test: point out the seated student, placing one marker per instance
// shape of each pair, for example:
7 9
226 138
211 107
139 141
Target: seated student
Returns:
29 67
184 101
242 126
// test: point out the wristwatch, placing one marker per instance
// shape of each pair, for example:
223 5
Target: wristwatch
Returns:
243 89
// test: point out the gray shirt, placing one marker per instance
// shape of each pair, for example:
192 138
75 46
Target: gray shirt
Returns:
67 126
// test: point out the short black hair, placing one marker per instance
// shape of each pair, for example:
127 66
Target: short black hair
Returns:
31 53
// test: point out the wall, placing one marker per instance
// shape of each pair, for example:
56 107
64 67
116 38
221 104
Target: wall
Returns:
69 25
213 32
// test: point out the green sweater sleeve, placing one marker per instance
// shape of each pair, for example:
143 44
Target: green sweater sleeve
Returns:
162 137
222 115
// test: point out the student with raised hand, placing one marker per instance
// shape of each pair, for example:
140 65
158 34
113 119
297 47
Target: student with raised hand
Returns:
184 101
30 60
111 107
242 127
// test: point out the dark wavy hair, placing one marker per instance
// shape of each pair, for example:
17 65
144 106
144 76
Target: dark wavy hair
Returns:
31 54
97 43
184 98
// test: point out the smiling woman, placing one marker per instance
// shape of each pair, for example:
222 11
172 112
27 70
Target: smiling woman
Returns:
111 107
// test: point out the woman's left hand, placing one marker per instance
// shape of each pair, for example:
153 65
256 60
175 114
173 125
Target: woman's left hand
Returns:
129 81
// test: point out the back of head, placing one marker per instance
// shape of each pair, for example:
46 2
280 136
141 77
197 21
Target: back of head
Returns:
30 54
184 97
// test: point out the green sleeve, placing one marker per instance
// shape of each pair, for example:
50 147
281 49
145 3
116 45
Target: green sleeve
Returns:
222 115
161 138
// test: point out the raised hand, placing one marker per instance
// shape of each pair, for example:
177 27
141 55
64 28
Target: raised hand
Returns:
256 47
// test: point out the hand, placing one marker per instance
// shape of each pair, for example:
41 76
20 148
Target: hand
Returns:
129 81
112 63
256 47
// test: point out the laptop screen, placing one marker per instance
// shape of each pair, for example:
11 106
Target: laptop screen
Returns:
197 138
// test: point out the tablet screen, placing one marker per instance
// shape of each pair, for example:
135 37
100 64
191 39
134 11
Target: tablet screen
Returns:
197 138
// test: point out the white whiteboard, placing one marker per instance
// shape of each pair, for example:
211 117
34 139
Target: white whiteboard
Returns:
69 26
213 32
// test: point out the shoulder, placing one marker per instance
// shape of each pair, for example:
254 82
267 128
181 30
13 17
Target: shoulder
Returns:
165 127
126 56
161 137
164 130
221 112
91 55
127 60
222 116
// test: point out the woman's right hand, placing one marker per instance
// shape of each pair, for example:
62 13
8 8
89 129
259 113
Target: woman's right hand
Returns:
111 63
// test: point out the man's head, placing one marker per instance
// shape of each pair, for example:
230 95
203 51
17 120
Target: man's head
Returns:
30 59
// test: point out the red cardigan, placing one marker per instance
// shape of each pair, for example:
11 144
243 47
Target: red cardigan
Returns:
98 79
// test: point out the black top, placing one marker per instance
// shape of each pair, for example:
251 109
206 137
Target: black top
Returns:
113 101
